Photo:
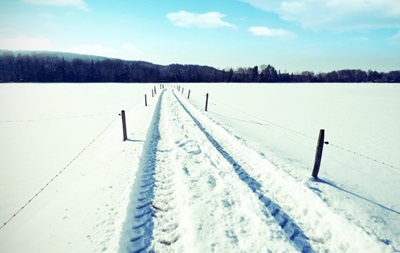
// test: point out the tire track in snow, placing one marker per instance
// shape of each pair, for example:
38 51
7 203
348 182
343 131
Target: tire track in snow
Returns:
198 190
184 199
154 225
291 229
225 215
166 231
304 218
138 230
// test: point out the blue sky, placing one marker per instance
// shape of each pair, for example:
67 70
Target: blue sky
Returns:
292 35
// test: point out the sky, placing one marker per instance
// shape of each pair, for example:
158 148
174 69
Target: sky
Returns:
291 35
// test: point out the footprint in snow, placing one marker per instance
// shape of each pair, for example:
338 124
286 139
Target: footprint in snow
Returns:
190 147
212 182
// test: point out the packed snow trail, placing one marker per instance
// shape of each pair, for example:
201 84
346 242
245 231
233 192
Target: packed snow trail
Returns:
199 189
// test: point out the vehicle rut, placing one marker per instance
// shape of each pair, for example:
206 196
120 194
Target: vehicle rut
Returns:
288 225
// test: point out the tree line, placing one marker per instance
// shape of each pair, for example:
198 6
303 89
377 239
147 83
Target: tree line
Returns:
61 67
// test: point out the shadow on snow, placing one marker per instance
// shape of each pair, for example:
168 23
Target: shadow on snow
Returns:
355 195
140 224
291 229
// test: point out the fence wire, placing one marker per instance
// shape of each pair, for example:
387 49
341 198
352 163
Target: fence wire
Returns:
364 156
75 158
57 175
305 135
71 117
58 118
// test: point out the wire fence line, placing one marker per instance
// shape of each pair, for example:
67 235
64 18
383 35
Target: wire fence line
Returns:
57 118
313 138
263 120
71 161
70 117
135 104
268 122
58 174
305 135
373 177
365 156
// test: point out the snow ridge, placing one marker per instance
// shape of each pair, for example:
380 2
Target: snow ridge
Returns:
139 229
154 226
201 189
293 232
323 229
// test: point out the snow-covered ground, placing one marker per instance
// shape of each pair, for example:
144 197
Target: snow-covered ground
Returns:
233 179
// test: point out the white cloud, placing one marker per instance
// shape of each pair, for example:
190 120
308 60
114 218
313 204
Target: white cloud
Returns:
125 51
276 33
80 4
338 15
25 43
209 20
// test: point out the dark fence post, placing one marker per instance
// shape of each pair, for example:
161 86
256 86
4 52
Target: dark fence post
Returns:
124 125
318 153
145 100
155 90
189 94
206 101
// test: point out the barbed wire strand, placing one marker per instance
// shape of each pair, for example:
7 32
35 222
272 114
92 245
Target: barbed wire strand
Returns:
135 104
69 117
364 156
58 174
263 120
363 172
266 121
307 136
58 118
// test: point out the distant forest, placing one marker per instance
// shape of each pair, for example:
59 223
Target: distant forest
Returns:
53 67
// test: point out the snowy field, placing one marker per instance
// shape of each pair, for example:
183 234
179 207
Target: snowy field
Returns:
234 179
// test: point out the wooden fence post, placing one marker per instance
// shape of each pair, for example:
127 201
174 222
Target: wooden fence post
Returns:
183 90
188 94
145 99
206 101
124 125
318 153
155 90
